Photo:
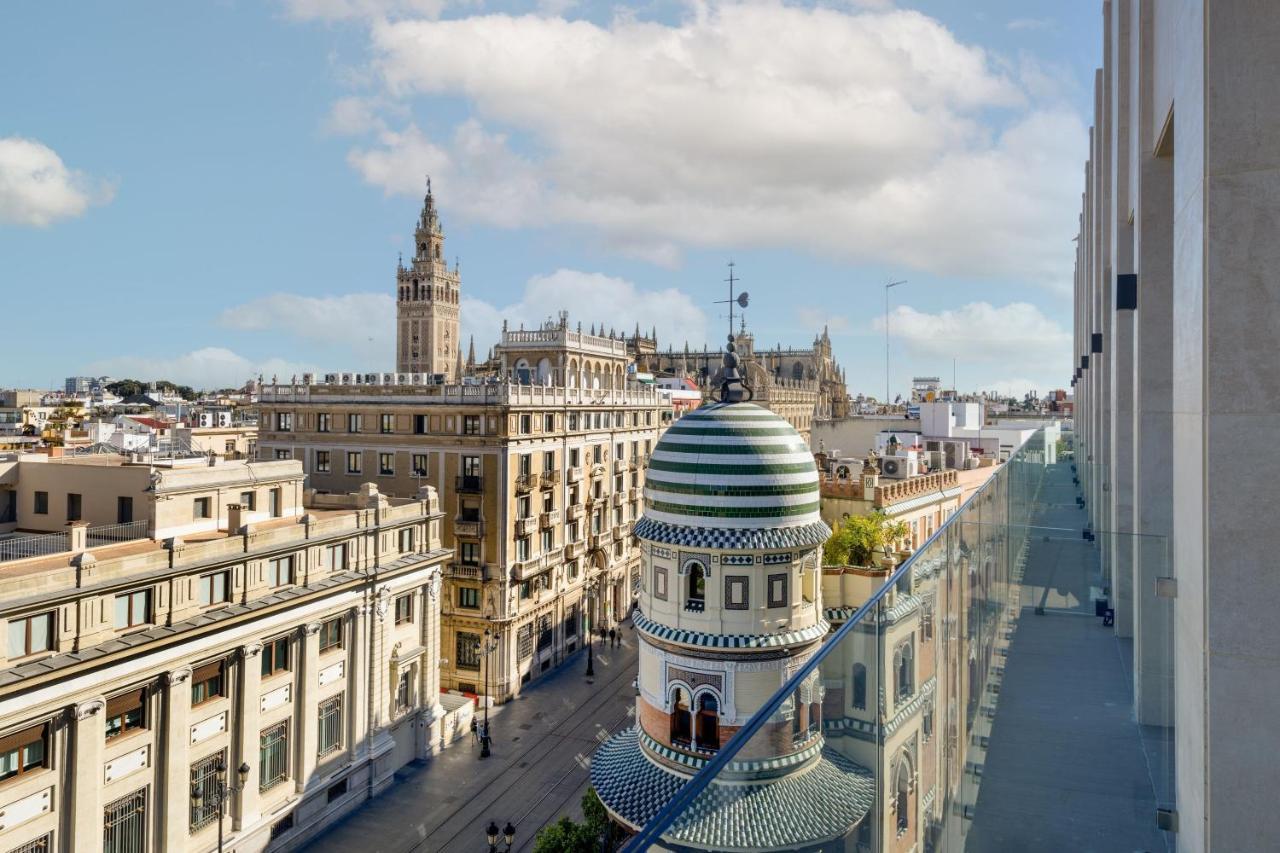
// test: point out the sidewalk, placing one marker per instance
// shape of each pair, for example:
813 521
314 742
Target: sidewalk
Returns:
538 770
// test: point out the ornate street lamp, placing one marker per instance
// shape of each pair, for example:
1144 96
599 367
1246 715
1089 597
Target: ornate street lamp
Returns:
221 792
486 648
590 586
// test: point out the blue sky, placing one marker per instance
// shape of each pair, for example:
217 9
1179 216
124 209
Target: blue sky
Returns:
207 191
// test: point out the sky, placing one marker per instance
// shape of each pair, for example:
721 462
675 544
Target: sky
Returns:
203 192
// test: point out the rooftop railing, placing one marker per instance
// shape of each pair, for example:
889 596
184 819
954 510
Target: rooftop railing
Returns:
1008 687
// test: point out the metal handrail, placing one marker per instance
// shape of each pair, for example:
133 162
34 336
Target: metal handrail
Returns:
685 795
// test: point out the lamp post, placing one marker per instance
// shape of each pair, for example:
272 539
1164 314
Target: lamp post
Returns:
485 648
508 836
886 340
221 792
590 586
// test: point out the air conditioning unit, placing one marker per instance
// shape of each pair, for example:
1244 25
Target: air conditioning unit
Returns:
899 467
937 460
956 452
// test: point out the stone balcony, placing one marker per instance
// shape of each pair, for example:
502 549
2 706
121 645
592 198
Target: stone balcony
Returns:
618 498
526 526
467 571
574 474
575 512
891 493
619 465
471 529
550 518
633 494
550 478
526 483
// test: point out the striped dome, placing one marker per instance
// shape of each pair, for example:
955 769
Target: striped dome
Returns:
731 466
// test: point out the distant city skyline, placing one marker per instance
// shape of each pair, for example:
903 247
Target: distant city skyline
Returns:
234 205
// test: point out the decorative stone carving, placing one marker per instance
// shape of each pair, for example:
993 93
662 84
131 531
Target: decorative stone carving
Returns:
696 679
251 650
311 629
177 676
90 707
383 602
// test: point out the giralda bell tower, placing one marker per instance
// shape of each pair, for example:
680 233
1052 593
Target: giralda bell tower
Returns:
427 296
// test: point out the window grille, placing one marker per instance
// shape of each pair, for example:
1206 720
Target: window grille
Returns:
468 654
273 760
124 826
43 844
330 728
204 778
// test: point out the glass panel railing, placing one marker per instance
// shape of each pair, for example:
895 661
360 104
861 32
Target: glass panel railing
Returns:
992 693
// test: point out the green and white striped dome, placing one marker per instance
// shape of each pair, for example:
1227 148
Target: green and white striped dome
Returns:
731 466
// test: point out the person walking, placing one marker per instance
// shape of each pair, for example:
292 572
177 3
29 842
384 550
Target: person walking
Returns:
613 637
475 731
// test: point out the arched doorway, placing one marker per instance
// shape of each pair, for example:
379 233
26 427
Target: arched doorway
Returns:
708 722
681 719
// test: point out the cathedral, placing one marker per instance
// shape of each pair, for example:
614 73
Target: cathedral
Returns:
427 303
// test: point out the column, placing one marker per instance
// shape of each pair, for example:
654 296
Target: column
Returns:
88 735
305 719
175 777
357 680
247 741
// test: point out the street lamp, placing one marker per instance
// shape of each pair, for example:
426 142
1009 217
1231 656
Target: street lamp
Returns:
508 836
486 648
221 792
589 586
886 340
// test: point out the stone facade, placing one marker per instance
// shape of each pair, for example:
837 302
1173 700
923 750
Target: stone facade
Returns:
428 296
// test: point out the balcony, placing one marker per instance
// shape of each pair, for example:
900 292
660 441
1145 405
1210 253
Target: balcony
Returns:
618 498
598 470
573 550
550 478
526 483
526 526
467 571
621 532
619 465
633 494
468 485
1012 566
573 475
472 529
574 512
550 518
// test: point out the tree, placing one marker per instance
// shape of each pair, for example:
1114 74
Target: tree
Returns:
595 833
855 541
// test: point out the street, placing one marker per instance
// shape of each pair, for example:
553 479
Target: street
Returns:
538 771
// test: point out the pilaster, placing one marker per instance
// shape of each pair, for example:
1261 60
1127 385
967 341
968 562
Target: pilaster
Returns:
175 775
88 736
248 746
305 718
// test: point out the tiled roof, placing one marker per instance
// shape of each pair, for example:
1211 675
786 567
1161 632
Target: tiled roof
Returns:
729 641
732 538
822 801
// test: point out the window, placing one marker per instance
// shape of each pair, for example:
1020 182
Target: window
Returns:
23 751
280 571
215 588
597 453
30 635
204 778
735 593
43 844
572 569
548 540
404 691
859 698
469 553
41 506
386 464
526 424
273 755
419 424
571 621
523 507
522 548
404 609
471 424
660 583
697 587
126 713
353 422
335 558
133 609
526 464
329 732
574 531
208 682
573 422
778 596
275 656
74 502
619 451
336 791
284 421
284 454
524 641
124 824
324 422
548 501
545 634
471 466
406 540
468 650
202 507
323 465
386 423
548 423
469 597
575 457
124 510
420 464
353 461
331 634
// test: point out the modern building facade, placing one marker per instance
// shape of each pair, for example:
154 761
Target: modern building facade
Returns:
1177 388
539 485
297 650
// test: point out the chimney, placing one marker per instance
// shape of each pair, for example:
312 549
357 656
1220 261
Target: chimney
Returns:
77 536
235 513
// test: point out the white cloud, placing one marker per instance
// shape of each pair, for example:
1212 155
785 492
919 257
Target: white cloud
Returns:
37 188
983 336
592 299
356 326
208 367
863 135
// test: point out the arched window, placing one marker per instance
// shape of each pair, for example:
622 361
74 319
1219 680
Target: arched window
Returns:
523 373
697 588
901 796
860 686
708 722
797 371
681 723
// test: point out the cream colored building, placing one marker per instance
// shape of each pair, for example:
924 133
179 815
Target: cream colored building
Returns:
539 485
303 645
922 502
428 300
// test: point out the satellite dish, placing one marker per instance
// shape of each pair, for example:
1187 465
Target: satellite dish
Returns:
742 300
